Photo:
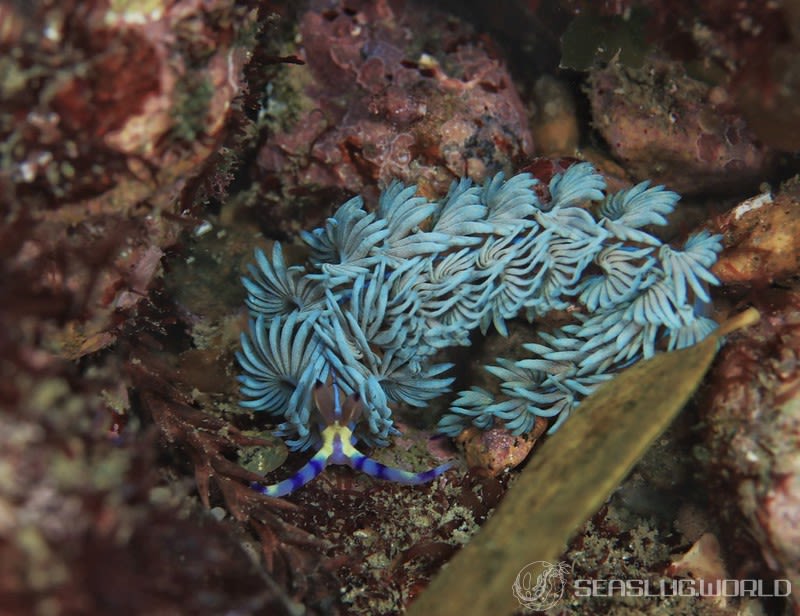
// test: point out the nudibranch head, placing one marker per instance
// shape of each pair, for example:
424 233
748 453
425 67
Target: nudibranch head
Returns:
338 446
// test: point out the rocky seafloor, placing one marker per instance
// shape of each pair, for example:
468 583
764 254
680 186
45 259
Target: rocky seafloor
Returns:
149 147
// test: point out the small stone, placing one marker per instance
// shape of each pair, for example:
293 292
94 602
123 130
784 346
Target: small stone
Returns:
497 450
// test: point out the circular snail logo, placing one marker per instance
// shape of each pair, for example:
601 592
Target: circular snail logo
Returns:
540 584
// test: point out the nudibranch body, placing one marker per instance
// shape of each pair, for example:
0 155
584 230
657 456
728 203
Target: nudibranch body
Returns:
384 290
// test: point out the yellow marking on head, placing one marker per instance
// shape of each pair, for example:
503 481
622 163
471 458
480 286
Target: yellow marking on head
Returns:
329 435
328 438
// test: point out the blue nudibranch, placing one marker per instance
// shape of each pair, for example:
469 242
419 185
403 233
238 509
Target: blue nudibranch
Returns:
384 291
338 447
